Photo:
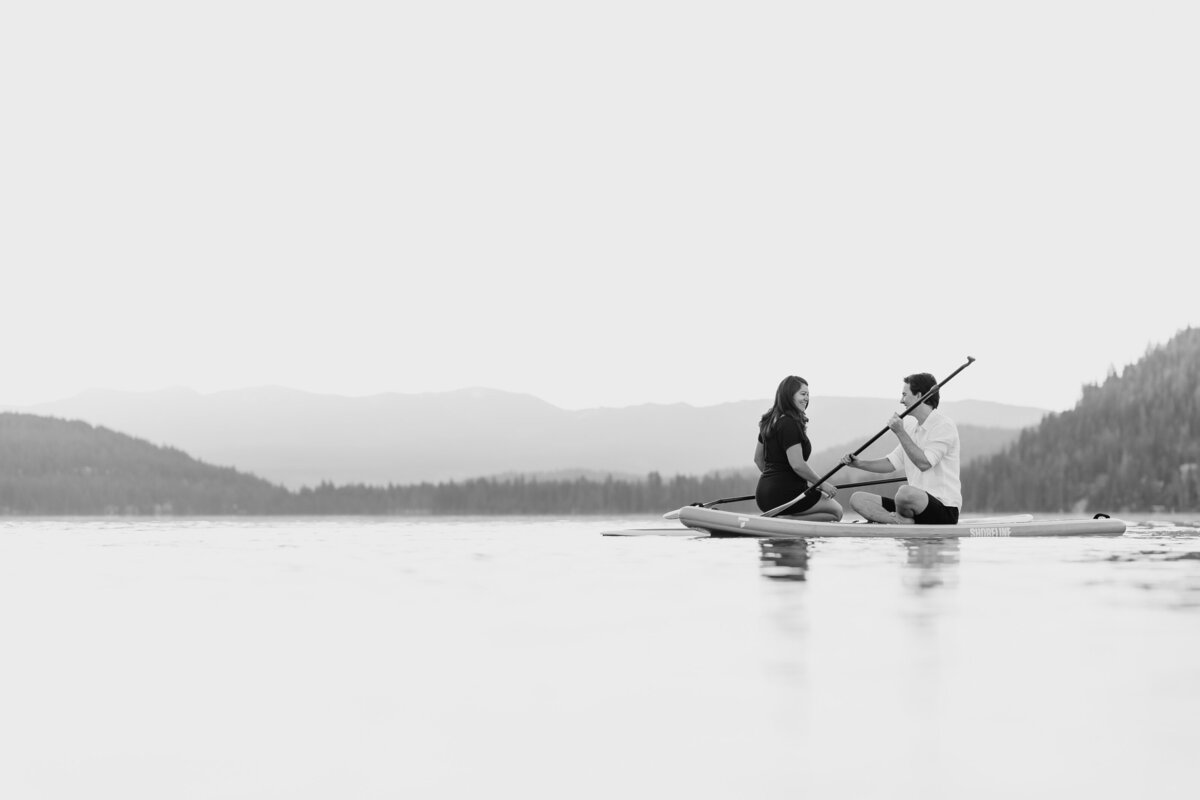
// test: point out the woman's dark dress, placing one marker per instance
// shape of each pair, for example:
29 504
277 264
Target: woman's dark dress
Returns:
779 483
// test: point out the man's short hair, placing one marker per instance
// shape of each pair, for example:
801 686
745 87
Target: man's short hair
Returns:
920 383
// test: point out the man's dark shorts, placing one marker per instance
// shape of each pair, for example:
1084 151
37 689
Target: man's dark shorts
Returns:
934 514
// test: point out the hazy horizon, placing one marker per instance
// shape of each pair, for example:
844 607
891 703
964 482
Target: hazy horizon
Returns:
817 402
885 383
299 438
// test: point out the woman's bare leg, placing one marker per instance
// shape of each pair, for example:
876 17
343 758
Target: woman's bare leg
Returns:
826 510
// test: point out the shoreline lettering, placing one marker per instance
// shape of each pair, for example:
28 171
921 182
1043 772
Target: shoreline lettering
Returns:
996 531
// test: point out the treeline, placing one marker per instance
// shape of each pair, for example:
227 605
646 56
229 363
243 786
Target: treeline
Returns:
1131 443
655 494
56 467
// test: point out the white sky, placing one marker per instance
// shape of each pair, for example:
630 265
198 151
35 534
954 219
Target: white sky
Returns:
600 203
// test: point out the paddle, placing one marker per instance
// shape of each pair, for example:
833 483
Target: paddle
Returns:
774 512
675 514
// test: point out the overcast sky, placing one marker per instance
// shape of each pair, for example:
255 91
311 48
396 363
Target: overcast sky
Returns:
598 203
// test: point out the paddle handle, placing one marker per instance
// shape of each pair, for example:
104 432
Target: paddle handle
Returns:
774 512
712 503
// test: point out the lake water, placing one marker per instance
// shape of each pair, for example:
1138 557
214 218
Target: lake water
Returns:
534 658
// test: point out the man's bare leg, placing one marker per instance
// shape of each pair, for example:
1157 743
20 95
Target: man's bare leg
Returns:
910 502
870 507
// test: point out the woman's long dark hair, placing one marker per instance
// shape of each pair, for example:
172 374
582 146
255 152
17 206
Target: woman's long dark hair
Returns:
785 406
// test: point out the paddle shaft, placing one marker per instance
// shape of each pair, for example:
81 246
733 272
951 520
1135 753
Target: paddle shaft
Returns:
712 503
774 512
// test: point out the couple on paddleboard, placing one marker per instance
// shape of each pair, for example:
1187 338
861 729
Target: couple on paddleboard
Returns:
927 450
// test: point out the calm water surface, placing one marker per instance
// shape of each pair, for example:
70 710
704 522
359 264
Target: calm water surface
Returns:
532 657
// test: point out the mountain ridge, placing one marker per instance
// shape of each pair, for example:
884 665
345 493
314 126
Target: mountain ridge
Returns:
299 438
50 466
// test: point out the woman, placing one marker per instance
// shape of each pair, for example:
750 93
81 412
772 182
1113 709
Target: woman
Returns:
782 456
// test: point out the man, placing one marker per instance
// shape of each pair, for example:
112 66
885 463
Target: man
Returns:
928 452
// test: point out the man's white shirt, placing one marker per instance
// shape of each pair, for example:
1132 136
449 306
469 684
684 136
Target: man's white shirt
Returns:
937 438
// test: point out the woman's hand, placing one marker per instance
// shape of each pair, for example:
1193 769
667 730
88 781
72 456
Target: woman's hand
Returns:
828 489
849 459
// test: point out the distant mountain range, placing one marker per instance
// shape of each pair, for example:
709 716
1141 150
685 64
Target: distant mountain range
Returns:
54 467
297 438
1131 443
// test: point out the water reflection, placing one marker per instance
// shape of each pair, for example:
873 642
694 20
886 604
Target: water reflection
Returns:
931 562
784 559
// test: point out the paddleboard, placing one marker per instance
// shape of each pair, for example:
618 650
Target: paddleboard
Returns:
733 523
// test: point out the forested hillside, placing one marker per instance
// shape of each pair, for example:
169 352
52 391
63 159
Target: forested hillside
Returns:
52 466
1131 443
